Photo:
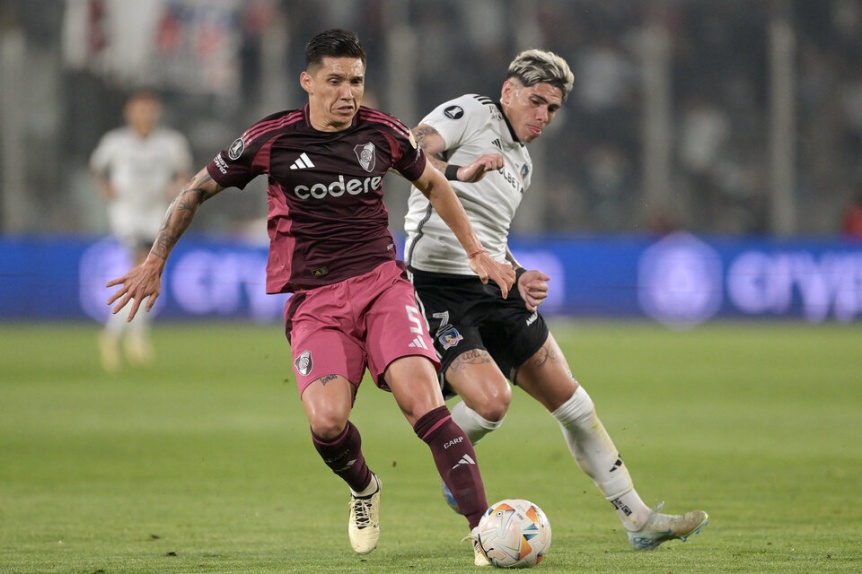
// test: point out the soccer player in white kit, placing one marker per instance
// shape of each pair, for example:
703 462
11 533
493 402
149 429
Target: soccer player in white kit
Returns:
140 168
484 339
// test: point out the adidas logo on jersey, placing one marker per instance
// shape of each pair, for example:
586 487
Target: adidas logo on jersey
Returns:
302 163
418 343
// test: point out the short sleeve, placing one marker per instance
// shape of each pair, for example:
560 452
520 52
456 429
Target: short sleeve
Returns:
411 159
234 165
248 156
182 156
457 119
100 159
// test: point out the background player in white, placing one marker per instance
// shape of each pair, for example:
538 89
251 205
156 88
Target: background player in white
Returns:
139 168
483 339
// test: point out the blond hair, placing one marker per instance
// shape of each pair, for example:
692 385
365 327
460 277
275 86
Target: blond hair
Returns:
533 67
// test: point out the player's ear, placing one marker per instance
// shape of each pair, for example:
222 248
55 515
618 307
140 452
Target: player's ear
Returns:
306 81
506 92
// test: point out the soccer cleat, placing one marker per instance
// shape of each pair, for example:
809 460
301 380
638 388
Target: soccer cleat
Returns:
479 558
139 350
660 528
363 526
109 354
450 500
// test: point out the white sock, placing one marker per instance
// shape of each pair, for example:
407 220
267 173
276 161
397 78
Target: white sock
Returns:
140 325
595 453
473 425
116 325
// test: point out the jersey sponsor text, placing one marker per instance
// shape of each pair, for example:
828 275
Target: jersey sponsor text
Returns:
338 187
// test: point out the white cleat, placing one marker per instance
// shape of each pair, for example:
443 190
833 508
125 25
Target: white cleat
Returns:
139 350
109 354
660 528
363 526
479 558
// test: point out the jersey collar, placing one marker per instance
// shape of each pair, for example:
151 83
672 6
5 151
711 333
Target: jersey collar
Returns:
508 125
306 114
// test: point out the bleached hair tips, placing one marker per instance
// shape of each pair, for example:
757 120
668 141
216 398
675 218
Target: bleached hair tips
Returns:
533 67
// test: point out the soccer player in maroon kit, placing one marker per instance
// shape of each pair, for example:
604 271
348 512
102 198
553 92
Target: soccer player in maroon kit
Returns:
352 306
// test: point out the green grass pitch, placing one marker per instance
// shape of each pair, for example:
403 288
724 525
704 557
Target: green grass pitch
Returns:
202 462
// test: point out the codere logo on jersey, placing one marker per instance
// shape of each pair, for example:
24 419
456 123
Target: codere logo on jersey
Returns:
339 187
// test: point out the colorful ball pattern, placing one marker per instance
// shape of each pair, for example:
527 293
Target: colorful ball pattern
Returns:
514 533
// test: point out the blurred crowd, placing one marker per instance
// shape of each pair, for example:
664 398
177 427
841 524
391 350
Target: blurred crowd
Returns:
246 55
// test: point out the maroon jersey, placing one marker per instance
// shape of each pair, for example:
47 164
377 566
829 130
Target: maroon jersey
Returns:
327 220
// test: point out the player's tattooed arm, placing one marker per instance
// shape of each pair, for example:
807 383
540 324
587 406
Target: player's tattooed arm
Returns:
143 283
182 211
431 142
434 146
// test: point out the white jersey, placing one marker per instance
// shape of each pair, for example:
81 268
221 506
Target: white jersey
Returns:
141 171
471 126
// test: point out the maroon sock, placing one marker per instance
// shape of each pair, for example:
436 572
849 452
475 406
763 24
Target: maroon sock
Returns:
456 461
344 457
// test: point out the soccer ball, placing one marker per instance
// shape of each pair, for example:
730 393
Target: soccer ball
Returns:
514 533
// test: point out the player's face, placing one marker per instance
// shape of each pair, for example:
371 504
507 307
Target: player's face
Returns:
530 109
142 114
335 90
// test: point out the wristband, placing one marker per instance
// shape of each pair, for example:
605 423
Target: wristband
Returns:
475 253
452 172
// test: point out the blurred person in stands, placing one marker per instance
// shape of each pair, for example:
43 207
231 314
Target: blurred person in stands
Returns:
139 168
353 306
851 225
484 338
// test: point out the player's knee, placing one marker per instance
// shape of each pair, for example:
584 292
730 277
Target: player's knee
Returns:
327 426
495 405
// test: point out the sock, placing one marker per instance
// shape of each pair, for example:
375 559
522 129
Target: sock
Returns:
372 487
456 461
116 324
140 325
344 457
596 455
473 425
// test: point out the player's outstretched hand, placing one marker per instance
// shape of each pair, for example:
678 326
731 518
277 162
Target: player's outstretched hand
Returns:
486 267
142 282
476 171
533 287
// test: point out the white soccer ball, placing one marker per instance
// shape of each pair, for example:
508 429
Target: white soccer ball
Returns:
514 533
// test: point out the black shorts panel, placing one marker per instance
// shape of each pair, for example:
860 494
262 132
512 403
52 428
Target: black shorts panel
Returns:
464 314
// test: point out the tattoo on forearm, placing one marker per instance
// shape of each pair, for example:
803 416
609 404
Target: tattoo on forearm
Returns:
180 215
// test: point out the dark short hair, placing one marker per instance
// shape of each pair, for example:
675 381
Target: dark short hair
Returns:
143 94
335 43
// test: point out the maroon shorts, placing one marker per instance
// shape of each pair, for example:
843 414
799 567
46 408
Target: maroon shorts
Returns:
365 321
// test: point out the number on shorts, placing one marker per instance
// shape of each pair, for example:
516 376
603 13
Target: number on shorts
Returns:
416 318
